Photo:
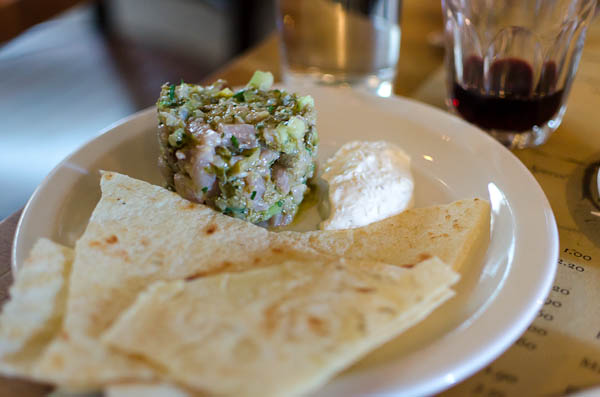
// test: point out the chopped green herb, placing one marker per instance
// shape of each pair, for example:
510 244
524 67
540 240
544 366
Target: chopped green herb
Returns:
235 142
253 195
273 210
177 138
205 189
280 203
271 109
232 210
239 96
172 92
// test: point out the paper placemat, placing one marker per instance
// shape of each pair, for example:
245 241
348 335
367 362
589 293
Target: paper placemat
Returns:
560 352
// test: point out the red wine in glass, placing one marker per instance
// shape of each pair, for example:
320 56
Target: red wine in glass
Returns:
509 102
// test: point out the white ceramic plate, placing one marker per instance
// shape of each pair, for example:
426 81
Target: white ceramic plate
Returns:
591 392
496 298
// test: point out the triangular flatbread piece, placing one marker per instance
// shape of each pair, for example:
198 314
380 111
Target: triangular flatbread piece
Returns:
33 315
137 234
278 330
454 232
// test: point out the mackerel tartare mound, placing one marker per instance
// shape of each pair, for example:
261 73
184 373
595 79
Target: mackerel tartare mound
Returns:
248 154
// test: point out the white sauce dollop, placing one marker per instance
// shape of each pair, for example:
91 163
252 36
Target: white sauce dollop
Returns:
368 182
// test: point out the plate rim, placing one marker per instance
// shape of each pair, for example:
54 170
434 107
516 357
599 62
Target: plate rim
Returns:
467 364
37 191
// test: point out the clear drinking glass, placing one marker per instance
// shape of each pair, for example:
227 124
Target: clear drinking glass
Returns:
510 63
341 42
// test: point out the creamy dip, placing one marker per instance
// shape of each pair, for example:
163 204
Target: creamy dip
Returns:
368 182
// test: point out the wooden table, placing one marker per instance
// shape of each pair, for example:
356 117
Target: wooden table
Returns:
18 15
418 61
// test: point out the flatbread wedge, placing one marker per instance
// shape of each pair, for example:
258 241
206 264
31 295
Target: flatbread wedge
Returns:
454 232
33 315
140 233
278 330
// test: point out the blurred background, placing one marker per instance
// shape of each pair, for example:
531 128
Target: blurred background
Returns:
70 68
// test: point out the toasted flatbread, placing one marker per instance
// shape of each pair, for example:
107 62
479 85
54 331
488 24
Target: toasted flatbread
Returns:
79 363
453 232
278 330
33 315
140 233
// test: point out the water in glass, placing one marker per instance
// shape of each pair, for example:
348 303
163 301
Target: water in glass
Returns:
354 42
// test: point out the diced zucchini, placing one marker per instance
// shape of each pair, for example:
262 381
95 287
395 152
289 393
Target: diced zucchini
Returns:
169 119
176 138
305 101
296 127
288 133
281 134
261 80
273 210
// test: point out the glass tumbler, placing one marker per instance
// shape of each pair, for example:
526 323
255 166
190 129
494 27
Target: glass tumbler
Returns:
510 63
340 42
